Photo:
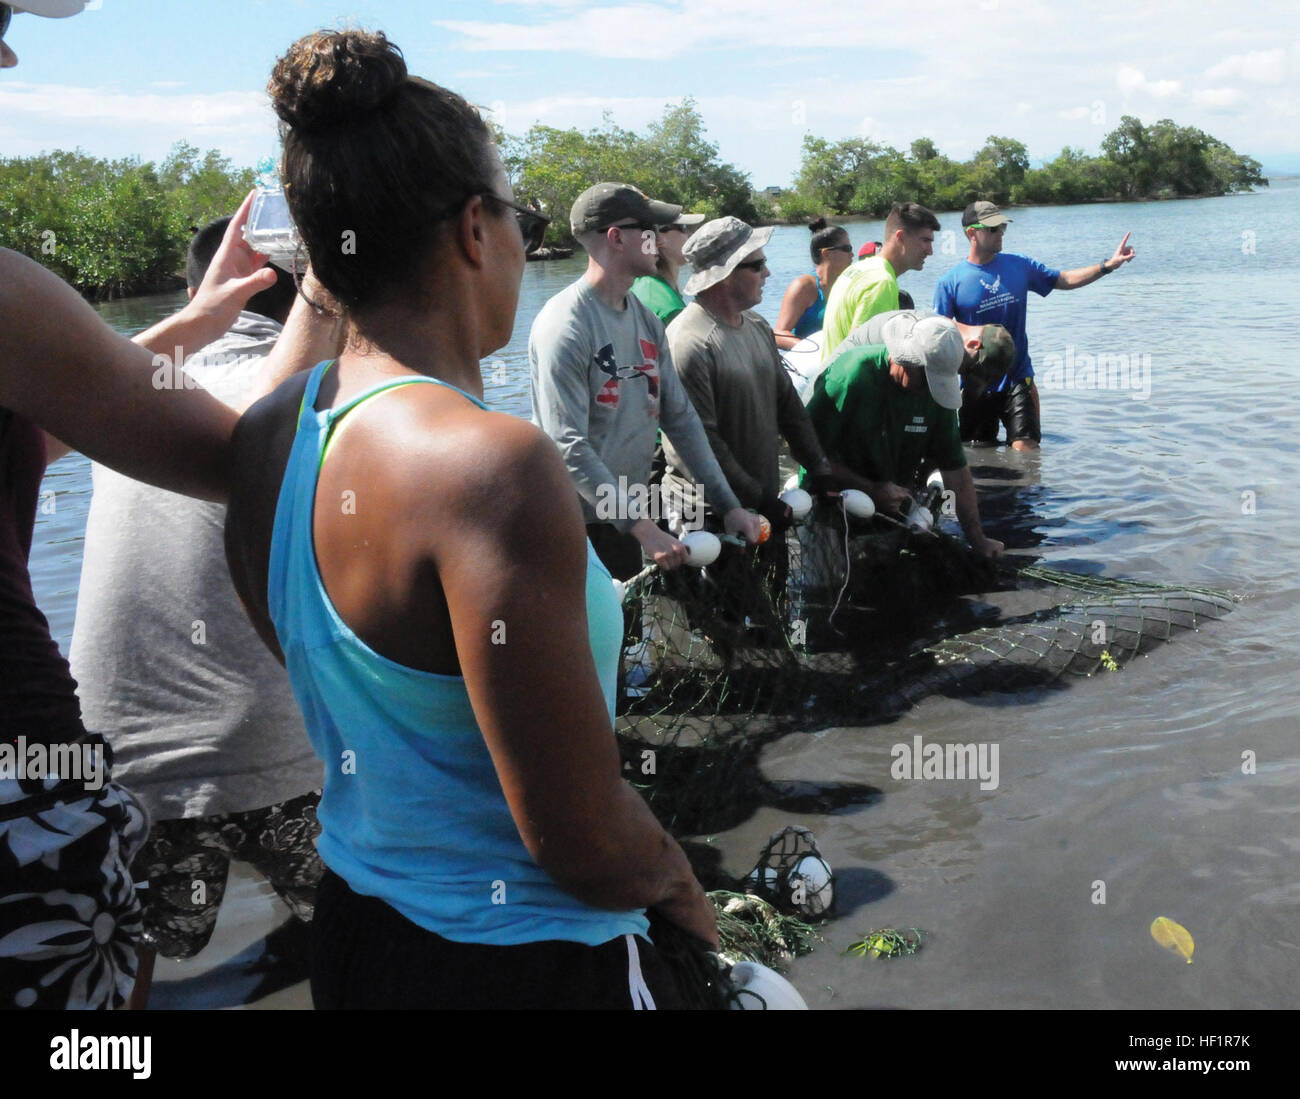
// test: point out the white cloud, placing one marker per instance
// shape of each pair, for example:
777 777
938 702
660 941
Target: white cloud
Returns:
1219 97
111 123
660 31
66 103
1073 114
1259 67
1133 81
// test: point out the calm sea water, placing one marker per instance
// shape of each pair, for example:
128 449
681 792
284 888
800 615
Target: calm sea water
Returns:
1134 780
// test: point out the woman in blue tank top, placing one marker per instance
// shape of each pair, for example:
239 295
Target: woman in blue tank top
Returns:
804 304
421 564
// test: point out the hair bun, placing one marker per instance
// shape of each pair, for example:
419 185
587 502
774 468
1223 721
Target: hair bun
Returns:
817 226
332 78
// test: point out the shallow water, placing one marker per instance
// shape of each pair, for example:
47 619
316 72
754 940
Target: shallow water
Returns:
1133 779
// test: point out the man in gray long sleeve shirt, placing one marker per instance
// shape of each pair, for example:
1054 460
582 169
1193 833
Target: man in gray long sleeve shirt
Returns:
603 382
727 358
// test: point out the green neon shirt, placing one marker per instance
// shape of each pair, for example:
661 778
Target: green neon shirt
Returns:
866 288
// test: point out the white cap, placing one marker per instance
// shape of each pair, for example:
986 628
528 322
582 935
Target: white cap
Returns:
51 9
933 343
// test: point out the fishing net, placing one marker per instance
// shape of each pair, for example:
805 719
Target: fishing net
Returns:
845 622
764 919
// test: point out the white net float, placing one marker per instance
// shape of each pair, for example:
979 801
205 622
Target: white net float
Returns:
702 548
810 886
920 519
798 501
858 504
761 989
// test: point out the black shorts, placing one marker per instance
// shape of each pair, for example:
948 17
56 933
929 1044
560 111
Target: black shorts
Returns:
1014 407
366 954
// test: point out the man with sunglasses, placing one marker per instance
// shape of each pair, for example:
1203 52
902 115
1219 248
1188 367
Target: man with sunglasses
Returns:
603 382
727 358
992 287
887 413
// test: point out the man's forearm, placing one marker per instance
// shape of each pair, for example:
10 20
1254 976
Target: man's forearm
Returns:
962 485
181 335
1082 276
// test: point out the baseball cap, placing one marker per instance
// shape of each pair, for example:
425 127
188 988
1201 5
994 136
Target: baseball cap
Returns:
717 249
601 206
983 213
51 9
933 343
869 248
997 353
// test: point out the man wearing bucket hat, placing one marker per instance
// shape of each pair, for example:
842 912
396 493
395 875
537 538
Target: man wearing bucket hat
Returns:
603 382
726 357
992 287
990 350
889 412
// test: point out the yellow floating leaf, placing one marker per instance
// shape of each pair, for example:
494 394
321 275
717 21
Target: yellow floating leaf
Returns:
1173 937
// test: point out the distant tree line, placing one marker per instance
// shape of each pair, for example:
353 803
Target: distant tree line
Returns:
672 161
860 176
114 227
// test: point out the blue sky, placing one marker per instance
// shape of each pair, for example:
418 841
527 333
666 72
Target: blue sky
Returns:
130 77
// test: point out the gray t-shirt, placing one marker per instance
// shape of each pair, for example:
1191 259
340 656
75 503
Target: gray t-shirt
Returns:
199 713
746 402
872 332
602 383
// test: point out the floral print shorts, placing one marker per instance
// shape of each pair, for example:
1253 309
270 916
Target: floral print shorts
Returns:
69 915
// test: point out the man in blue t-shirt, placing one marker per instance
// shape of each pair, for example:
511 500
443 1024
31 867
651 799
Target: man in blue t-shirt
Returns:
988 287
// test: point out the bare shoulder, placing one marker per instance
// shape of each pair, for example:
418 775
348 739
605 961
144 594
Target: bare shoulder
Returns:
462 458
803 286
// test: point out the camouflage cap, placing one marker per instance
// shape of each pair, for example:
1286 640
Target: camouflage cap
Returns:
718 247
996 356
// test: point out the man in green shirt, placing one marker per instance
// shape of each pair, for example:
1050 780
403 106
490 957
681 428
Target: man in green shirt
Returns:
888 413
870 286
